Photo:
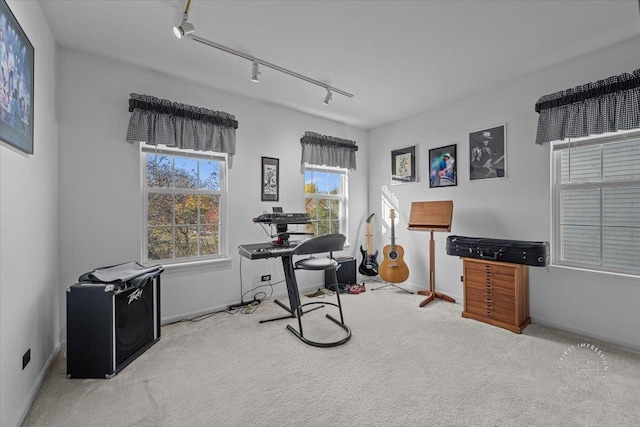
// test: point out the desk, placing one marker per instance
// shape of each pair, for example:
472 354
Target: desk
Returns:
285 252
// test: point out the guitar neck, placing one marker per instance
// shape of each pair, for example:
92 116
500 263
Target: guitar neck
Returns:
393 235
369 239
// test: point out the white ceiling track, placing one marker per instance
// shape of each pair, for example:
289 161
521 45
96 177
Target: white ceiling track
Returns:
186 29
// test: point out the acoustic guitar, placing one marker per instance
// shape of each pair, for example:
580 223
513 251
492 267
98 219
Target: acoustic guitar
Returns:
393 268
369 264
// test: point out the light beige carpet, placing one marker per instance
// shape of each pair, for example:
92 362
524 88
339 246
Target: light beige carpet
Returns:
404 366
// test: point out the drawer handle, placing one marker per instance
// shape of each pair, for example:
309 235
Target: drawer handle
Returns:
489 288
489 314
488 300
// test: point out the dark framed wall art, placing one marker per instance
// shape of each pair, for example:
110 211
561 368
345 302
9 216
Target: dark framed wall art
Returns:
487 153
270 179
443 167
403 166
16 83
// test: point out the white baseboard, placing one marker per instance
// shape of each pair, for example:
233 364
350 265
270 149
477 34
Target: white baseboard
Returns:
24 410
578 331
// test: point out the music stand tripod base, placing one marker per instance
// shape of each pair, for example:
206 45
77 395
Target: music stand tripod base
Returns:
387 284
433 295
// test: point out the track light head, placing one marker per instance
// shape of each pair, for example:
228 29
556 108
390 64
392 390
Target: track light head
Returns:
254 72
183 29
327 98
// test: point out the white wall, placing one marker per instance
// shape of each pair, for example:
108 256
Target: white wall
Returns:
100 189
29 301
597 305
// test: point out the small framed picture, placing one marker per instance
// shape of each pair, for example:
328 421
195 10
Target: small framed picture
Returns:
403 166
443 170
270 179
487 153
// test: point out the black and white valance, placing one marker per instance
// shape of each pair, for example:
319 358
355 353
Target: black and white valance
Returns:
323 150
608 105
160 121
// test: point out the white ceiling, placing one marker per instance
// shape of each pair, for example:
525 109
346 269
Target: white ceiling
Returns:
397 57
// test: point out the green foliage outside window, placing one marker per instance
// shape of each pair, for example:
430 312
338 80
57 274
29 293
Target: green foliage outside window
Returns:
323 199
183 211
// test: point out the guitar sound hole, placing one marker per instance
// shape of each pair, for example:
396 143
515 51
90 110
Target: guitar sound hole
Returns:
393 256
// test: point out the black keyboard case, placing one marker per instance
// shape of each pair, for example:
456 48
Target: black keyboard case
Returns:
514 251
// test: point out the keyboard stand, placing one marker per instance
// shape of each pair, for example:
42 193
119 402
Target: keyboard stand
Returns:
292 289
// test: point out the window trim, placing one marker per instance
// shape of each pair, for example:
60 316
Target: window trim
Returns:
556 205
222 192
344 183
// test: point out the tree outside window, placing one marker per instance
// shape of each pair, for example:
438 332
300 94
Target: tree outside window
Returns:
325 200
183 206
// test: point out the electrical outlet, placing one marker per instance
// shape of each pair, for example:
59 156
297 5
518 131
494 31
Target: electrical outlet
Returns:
26 358
266 277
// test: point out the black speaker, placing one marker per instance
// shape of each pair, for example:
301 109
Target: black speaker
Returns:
346 274
108 327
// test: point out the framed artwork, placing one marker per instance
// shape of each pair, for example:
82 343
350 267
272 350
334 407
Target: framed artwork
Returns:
16 83
403 166
443 168
270 179
487 153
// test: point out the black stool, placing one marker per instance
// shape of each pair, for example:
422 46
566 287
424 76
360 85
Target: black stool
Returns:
321 244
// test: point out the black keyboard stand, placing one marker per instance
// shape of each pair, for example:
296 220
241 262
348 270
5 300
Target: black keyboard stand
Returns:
292 289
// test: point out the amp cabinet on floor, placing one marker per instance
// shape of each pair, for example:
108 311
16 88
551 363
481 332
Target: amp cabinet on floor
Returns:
496 293
346 274
108 327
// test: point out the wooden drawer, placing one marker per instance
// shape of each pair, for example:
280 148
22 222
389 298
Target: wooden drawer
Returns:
491 298
496 293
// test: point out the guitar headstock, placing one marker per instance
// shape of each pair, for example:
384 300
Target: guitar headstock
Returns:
369 219
392 214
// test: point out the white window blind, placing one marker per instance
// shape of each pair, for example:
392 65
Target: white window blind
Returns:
596 187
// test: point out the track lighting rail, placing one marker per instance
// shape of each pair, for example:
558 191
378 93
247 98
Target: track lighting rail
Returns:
267 64
186 29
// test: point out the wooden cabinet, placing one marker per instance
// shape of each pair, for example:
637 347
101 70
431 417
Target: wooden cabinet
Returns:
496 293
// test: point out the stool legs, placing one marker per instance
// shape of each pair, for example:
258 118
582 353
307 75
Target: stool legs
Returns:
299 333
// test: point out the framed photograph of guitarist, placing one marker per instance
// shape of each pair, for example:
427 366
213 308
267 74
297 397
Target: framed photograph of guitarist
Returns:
487 153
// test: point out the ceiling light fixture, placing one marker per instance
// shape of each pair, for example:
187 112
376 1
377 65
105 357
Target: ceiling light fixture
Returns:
327 98
183 29
254 72
187 29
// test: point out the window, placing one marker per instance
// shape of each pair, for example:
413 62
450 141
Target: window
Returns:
325 200
184 205
596 203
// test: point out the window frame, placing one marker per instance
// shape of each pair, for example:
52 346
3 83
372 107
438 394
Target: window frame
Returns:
222 193
343 199
556 199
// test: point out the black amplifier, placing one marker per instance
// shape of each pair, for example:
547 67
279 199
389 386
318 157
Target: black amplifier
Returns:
346 274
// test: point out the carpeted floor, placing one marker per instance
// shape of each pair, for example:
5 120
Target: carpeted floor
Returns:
404 366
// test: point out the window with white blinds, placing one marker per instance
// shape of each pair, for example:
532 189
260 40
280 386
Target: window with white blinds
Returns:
596 203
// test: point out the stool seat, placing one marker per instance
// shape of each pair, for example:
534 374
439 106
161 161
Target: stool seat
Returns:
316 263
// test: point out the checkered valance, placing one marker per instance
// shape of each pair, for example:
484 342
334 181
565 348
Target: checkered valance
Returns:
604 106
323 150
160 121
